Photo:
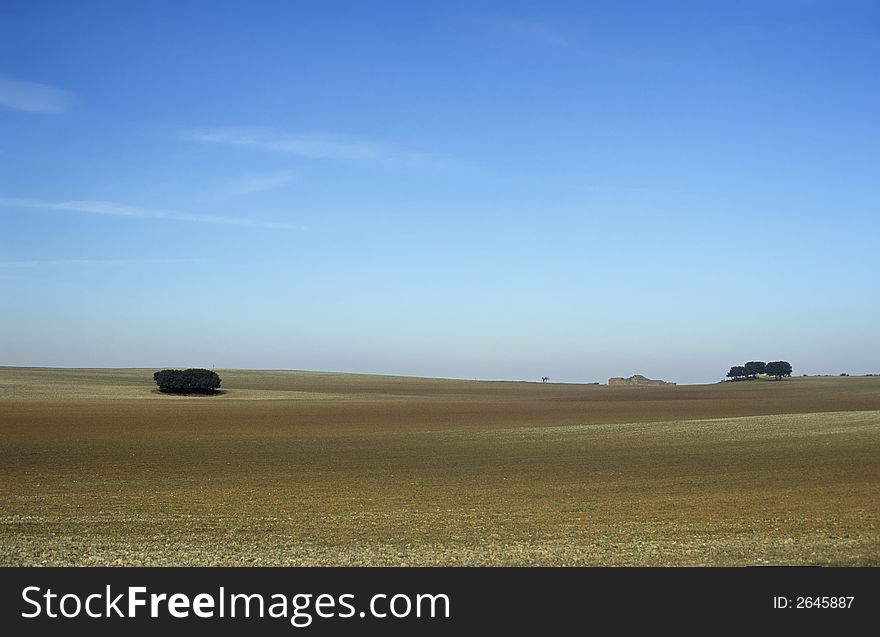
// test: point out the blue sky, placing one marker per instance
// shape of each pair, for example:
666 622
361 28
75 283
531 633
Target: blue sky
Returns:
471 190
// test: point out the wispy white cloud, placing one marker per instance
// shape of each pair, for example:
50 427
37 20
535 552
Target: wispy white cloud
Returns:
112 263
33 97
633 190
124 210
312 145
538 32
250 184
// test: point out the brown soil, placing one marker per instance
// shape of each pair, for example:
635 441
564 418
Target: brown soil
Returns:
300 468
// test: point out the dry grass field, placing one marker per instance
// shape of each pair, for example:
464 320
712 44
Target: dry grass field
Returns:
297 468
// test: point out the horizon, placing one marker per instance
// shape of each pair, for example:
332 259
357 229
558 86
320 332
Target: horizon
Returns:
498 193
550 381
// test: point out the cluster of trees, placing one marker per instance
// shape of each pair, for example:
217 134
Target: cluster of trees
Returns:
187 381
777 369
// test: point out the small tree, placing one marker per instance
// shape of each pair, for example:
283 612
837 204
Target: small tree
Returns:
753 368
737 372
187 381
778 369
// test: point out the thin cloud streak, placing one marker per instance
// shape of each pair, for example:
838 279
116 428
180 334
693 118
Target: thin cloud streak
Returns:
312 145
33 97
38 263
252 184
122 210
539 33
633 190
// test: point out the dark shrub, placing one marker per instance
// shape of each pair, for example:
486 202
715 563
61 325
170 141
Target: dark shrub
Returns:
778 369
187 381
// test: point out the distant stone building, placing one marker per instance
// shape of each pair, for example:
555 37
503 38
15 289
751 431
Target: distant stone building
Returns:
637 380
